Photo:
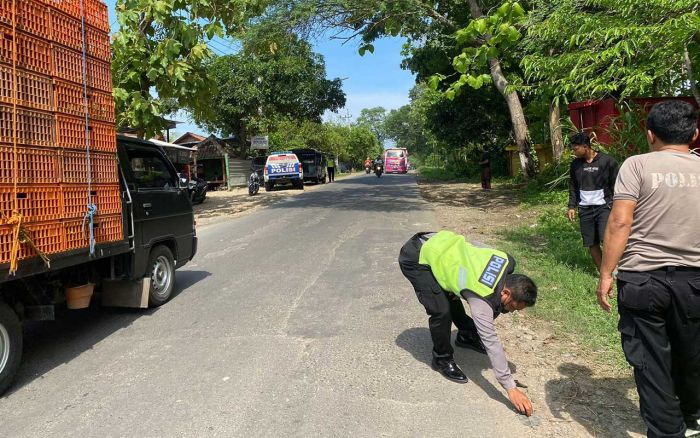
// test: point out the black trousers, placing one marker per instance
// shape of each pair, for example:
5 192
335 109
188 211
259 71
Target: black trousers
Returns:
331 174
442 307
660 330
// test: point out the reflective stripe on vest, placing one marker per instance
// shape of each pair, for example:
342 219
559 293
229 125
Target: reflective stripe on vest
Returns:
458 265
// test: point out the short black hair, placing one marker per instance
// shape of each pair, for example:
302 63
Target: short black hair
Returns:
580 137
673 121
522 289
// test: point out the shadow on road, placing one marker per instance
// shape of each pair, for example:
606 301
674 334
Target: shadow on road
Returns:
50 344
417 341
598 404
393 193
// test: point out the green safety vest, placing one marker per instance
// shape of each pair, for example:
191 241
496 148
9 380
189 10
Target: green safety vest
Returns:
331 163
458 265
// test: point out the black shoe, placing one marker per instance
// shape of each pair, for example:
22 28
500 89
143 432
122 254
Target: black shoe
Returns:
449 369
471 341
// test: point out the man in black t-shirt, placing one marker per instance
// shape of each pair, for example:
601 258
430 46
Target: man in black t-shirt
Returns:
591 188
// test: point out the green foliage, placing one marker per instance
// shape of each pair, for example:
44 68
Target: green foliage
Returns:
628 133
490 37
160 55
351 144
593 48
374 120
274 79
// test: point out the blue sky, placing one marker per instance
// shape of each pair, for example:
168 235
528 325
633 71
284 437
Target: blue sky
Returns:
371 80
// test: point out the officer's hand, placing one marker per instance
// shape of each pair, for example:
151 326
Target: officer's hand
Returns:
605 291
520 401
571 214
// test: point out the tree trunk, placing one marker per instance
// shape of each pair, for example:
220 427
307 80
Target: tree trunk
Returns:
691 79
555 133
517 115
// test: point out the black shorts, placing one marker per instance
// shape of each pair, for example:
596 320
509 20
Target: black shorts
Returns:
593 220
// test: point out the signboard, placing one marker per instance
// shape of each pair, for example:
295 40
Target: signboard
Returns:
260 142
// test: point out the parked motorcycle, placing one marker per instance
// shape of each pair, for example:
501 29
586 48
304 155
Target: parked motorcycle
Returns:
378 169
253 183
196 188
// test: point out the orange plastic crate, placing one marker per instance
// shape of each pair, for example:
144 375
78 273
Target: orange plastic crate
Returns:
98 44
34 128
67 30
34 165
69 66
32 16
107 198
69 98
49 237
34 202
99 75
33 90
70 133
33 54
108 228
76 235
96 14
74 167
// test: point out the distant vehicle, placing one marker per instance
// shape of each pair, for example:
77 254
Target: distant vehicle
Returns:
378 169
314 164
396 160
283 168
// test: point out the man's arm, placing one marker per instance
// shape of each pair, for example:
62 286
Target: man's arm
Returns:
616 234
612 175
482 314
573 195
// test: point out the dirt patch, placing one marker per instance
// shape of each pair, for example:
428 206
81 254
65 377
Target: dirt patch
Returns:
574 396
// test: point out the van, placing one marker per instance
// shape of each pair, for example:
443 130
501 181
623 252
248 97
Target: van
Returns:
314 164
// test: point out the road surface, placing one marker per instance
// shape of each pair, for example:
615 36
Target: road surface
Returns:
292 321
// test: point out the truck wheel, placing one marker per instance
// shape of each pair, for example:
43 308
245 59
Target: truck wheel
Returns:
268 186
10 346
162 271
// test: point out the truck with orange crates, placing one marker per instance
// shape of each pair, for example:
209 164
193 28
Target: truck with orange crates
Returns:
84 213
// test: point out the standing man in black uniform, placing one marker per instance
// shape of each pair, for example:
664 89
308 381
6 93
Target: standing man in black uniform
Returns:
653 239
591 187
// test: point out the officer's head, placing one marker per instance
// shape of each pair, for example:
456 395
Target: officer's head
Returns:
672 122
518 293
580 144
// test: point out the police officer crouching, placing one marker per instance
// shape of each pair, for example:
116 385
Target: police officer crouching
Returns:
442 267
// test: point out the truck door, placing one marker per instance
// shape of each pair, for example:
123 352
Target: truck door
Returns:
162 211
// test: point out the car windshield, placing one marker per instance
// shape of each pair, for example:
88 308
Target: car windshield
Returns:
394 154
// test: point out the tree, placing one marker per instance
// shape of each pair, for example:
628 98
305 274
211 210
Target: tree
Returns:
373 119
265 85
424 23
160 55
615 48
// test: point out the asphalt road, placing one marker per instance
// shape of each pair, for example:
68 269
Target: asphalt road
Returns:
292 321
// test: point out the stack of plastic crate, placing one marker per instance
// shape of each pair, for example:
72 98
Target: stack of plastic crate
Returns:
50 77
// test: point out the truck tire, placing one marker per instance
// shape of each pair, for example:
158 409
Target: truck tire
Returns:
161 269
269 186
10 346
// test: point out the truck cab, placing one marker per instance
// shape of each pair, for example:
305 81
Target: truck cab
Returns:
157 236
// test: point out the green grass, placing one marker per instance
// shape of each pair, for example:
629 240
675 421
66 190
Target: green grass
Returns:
438 174
553 255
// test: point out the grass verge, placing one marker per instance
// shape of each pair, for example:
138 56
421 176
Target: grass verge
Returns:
551 252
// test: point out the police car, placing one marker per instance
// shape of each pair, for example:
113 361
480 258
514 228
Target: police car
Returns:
283 168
